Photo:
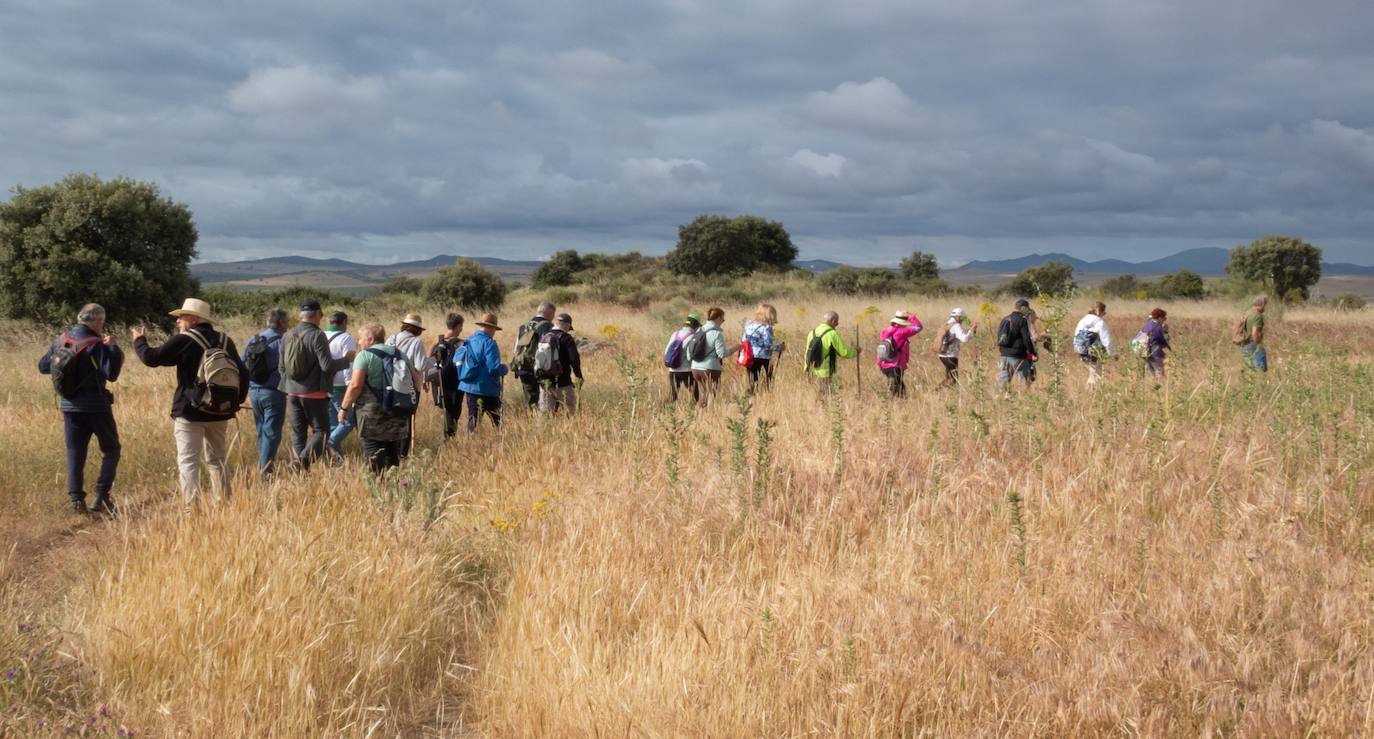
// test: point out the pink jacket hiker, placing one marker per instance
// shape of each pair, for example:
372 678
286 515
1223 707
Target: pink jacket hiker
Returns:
901 337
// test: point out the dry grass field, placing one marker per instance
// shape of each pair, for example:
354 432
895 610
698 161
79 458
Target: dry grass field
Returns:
1190 560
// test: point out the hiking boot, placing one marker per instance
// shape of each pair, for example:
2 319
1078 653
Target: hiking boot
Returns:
79 506
103 504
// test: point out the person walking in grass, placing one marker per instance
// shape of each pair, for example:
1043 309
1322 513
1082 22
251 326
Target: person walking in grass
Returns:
758 334
557 363
307 369
707 350
1252 351
408 340
341 343
1092 340
262 357
894 350
526 343
824 349
444 373
677 361
1151 342
952 339
81 361
479 376
1016 345
381 434
212 383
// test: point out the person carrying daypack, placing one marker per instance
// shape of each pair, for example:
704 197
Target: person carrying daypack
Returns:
340 344
1016 345
824 347
1149 344
1092 340
526 344
678 362
80 362
408 340
894 350
382 379
262 357
203 357
308 368
558 362
707 349
758 337
950 342
444 375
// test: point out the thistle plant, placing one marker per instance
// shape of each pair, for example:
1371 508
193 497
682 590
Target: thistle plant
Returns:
1018 530
837 435
763 460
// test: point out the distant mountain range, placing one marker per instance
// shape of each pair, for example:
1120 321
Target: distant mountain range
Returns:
1208 262
342 274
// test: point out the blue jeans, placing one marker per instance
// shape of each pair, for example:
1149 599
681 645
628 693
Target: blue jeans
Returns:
339 431
1255 356
269 413
78 429
1011 367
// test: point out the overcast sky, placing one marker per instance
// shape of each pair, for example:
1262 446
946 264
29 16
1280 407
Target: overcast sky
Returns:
972 129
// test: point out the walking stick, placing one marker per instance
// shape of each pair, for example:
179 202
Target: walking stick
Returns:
858 364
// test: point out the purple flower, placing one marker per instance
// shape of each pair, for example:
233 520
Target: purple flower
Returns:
9 676
104 711
405 483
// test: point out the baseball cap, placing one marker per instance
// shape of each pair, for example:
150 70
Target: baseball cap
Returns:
1022 303
310 305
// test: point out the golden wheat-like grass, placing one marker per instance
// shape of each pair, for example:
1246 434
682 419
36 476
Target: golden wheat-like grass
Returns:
1192 559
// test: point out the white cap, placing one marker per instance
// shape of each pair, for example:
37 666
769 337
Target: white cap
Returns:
957 313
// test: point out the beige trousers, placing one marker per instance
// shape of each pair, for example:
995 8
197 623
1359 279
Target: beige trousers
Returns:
553 398
197 440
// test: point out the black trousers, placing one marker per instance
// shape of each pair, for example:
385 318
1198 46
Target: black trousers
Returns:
489 404
678 380
453 410
78 428
951 370
381 455
309 422
761 371
896 385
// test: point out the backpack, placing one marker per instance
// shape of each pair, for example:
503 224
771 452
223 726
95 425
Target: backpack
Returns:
1239 335
548 365
398 397
526 344
66 380
947 340
1084 341
672 356
745 358
296 359
700 348
887 350
217 380
815 350
255 359
1006 338
1140 345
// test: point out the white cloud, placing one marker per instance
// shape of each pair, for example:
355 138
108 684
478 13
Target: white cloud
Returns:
304 89
877 107
1355 143
828 165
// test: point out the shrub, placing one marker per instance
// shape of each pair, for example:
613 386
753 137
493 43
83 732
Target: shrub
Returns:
855 281
716 245
1050 278
466 284
1348 302
1181 285
559 271
402 285
229 301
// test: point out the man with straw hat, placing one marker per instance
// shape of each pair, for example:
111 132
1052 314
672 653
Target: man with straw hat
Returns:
203 358
408 341
480 373
307 378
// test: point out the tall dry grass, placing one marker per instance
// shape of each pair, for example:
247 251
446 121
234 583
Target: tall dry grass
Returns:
1194 559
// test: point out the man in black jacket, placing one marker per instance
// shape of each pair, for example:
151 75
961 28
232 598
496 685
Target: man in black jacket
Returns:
307 378
559 391
198 433
1016 344
87 412
522 357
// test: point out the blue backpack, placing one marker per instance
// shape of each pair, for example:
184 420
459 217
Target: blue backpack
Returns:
398 397
673 356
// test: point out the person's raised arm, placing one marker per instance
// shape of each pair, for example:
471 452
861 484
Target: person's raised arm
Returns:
166 355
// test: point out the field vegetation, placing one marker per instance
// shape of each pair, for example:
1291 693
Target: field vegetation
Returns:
1190 559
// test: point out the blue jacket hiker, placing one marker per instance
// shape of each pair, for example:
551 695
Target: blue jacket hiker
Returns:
262 356
81 362
480 371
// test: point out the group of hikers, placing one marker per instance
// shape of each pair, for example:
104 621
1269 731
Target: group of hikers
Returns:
326 382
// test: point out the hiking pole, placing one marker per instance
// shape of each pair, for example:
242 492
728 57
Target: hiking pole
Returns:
858 363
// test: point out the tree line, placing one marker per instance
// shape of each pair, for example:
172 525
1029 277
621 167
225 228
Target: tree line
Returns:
123 244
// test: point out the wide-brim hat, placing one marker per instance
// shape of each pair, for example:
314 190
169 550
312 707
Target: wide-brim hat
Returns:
489 321
900 318
193 307
413 319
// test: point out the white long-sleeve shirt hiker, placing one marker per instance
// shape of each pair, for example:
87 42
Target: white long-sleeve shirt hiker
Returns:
340 344
961 336
1098 326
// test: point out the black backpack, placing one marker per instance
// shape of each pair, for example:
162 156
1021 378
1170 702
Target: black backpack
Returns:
67 379
1006 334
815 350
255 359
700 346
